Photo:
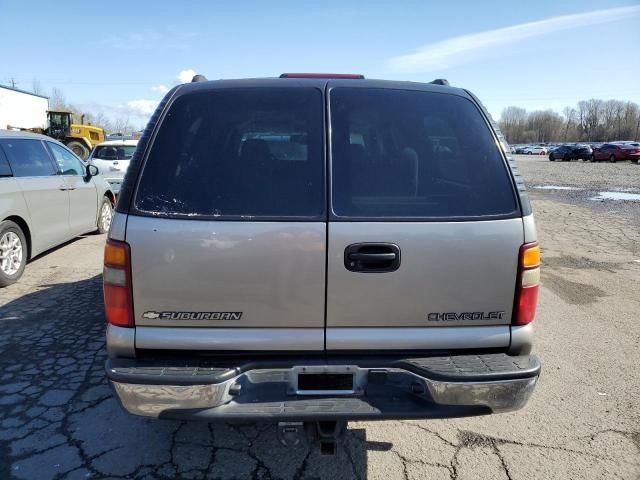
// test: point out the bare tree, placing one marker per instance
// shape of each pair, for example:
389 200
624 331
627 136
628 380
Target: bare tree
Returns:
512 123
546 124
57 101
122 125
570 123
590 120
36 87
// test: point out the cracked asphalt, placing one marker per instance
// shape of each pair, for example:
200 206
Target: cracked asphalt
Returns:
60 420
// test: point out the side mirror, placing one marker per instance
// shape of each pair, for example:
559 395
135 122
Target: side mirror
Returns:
92 171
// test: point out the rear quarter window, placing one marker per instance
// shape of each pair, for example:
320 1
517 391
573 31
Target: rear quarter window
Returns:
238 153
5 169
414 154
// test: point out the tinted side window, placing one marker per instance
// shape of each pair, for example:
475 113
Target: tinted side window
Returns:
28 158
255 152
68 163
5 169
417 154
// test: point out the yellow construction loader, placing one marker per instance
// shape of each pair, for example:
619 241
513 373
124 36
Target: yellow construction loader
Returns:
80 138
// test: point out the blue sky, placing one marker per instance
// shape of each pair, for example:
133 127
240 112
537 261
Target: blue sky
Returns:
118 57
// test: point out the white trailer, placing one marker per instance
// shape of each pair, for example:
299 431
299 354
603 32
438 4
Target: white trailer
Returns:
22 109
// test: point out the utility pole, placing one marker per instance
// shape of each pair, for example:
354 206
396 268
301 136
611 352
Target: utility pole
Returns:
13 82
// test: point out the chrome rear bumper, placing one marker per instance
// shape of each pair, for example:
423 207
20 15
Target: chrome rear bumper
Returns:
271 394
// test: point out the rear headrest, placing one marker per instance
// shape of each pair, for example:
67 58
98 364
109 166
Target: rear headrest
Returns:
255 149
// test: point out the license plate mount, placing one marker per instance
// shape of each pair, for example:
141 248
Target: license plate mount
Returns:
326 380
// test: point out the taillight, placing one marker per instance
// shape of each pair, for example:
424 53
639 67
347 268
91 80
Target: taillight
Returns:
118 301
524 309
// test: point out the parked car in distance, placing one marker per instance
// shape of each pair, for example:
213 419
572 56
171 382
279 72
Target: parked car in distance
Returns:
112 159
536 150
521 149
571 152
295 276
617 152
47 197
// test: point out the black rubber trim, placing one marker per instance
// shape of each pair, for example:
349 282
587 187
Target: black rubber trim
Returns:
400 405
452 368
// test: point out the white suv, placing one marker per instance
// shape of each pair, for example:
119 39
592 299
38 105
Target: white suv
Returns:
536 150
112 159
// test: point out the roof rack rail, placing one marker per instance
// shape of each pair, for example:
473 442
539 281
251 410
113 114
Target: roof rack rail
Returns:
440 81
354 76
198 78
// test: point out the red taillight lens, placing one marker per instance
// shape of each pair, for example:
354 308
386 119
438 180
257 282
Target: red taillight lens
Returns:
118 298
117 306
526 299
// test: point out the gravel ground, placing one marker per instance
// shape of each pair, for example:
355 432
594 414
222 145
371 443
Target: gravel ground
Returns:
583 183
59 419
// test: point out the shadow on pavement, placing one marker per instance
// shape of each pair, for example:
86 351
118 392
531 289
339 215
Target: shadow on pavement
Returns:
59 418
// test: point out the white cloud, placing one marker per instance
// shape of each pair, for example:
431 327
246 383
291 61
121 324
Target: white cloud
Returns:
142 108
170 38
160 88
185 76
466 48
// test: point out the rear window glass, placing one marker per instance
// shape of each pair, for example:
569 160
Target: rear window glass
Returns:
398 153
28 158
114 152
5 170
254 152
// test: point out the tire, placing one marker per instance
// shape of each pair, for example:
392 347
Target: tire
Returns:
612 159
105 215
552 158
566 158
529 153
79 149
592 158
13 253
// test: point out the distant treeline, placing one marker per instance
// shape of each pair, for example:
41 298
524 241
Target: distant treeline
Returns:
590 120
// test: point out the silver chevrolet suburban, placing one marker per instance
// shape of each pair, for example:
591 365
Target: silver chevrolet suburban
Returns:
313 249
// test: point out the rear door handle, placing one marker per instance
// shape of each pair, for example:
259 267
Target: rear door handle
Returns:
372 257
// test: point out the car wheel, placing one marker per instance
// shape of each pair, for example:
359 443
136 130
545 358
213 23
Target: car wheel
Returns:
612 159
528 153
552 158
79 149
566 158
105 216
13 252
592 158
